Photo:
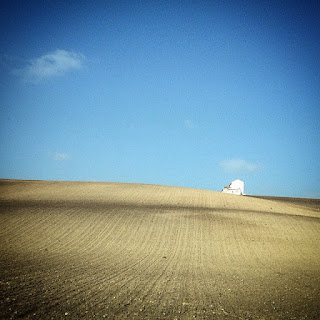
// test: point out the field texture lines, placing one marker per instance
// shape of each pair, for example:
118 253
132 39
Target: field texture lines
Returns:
83 250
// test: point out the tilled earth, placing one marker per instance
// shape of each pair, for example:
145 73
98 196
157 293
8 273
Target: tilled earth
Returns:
82 250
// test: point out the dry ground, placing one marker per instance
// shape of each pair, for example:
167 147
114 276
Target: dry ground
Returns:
82 250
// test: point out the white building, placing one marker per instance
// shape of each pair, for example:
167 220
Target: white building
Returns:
235 187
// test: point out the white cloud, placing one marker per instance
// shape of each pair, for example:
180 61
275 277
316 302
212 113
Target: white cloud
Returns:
57 156
52 64
239 166
189 124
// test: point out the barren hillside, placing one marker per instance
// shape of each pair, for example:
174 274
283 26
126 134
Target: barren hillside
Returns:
81 250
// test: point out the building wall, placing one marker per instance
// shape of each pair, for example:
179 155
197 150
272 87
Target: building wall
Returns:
237 184
235 187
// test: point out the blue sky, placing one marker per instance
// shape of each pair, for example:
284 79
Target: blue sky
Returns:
183 93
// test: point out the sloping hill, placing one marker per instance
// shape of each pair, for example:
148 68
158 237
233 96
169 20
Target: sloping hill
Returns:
110 250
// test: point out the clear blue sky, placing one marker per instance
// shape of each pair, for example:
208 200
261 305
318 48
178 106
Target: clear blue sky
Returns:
183 93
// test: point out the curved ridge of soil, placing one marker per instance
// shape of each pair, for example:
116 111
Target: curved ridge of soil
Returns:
81 250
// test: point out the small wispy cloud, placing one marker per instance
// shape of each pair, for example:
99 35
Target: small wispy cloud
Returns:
7 61
57 156
53 64
189 124
239 166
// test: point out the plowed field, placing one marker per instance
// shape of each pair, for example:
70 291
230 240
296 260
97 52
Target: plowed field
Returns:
82 250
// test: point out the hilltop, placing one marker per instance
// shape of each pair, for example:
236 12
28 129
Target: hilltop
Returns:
118 250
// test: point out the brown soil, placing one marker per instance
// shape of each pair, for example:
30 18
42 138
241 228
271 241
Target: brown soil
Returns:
83 250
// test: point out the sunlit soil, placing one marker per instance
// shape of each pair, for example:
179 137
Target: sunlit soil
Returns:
79 250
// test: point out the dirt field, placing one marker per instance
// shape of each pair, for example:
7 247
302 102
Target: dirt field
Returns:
82 250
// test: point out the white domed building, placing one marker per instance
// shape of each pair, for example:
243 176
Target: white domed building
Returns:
235 187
